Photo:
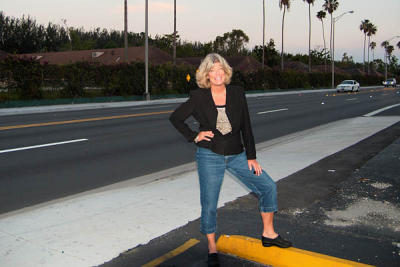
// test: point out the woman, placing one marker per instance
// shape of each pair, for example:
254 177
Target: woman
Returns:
222 113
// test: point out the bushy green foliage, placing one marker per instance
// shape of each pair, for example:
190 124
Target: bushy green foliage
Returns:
27 79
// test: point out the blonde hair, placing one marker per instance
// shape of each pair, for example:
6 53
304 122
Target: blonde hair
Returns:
206 64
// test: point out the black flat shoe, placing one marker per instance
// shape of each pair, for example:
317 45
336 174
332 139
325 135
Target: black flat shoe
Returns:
213 260
278 241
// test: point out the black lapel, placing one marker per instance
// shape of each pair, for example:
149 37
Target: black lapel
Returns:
229 103
211 107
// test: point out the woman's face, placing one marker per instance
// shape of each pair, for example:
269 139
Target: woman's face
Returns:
216 75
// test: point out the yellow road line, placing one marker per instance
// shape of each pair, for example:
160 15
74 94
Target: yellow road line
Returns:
82 120
252 249
188 244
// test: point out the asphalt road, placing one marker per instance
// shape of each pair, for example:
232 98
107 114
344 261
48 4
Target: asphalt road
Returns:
111 149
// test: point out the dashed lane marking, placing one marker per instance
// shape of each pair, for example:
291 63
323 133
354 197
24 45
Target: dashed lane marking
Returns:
44 145
188 244
271 111
83 120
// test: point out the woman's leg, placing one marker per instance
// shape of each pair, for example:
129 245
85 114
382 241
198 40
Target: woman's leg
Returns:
265 188
211 169
268 225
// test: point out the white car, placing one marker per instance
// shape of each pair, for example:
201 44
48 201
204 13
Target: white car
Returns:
390 82
348 86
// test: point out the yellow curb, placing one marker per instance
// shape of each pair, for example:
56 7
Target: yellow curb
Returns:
252 249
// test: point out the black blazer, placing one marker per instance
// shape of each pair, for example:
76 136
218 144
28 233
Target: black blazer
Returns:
202 107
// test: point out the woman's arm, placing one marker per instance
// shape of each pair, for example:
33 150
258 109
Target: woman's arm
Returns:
179 116
247 132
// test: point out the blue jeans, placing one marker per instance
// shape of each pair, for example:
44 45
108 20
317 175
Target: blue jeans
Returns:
211 168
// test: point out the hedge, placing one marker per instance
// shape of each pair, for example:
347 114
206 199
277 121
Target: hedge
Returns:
27 79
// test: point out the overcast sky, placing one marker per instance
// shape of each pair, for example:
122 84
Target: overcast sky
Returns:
204 20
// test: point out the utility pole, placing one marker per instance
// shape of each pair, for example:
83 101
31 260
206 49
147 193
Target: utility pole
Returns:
174 43
146 51
263 34
126 32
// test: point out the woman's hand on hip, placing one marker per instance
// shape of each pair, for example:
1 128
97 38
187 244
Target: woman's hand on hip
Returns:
253 165
205 135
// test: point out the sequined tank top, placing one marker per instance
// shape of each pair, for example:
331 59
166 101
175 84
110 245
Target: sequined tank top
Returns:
223 124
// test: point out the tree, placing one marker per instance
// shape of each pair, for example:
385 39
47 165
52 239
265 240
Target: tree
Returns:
371 30
285 4
398 45
321 15
373 46
364 29
231 43
309 32
272 57
331 6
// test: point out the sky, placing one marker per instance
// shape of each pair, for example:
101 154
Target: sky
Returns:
204 20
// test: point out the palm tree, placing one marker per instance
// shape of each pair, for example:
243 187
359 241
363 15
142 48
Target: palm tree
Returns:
389 51
331 6
373 46
309 32
285 4
364 29
385 45
321 15
371 30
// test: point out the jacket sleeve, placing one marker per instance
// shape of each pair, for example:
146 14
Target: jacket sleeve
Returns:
179 116
247 133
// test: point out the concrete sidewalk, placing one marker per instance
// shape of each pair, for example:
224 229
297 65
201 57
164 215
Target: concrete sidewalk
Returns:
96 226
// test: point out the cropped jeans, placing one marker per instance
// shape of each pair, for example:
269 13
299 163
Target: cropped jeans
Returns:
211 169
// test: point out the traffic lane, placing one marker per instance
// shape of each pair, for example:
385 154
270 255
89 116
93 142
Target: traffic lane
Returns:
93 169
34 176
79 114
303 115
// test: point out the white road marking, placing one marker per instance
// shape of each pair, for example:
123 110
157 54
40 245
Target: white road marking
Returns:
270 111
380 110
44 145
351 99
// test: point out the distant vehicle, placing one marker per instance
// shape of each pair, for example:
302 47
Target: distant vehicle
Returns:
390 82
348 86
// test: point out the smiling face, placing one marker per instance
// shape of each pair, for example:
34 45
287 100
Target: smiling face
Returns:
216 75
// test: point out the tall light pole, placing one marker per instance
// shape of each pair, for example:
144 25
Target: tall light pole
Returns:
174 44
263 34
126 31
333 45
386 55
146 51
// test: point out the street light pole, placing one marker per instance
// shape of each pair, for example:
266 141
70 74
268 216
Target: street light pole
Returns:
174 44
263 52
126 31
146 52
333 45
